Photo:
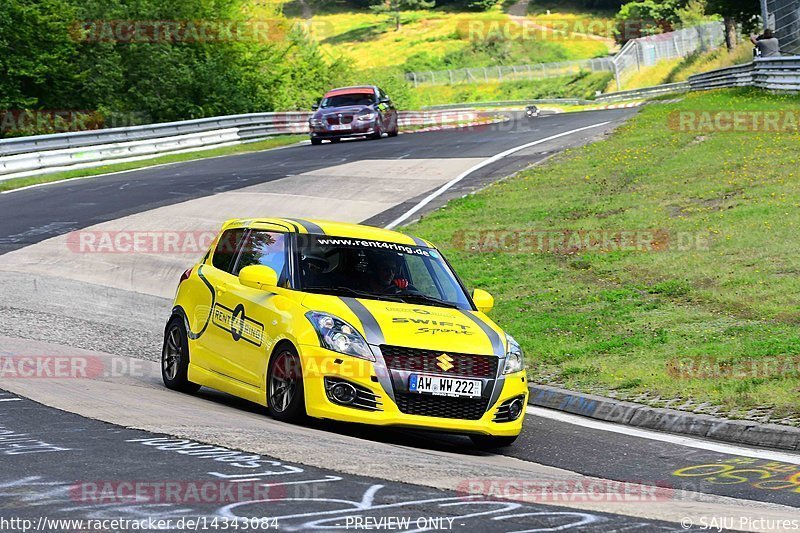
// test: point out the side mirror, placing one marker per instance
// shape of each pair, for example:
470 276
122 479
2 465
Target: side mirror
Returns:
483 300
314 107
258 277
386 101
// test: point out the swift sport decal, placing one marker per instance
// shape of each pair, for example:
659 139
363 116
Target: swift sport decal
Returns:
432 327
238 325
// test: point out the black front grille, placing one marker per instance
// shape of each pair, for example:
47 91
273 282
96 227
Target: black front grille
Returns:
442 406
417 360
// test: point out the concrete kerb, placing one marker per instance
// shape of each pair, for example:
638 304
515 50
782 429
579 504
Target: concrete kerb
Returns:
668 420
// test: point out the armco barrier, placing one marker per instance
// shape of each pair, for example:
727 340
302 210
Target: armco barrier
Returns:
772 73
43 154
669 88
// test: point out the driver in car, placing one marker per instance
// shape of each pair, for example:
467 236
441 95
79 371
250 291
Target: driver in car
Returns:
385 276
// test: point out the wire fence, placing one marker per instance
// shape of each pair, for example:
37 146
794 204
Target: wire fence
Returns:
636 54
783 16
648 51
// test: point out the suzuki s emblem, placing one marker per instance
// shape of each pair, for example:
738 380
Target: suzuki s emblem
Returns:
445 362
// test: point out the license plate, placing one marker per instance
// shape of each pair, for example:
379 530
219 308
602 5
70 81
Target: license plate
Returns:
442 386
338 127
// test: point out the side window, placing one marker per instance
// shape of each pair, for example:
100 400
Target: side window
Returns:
264 248
225 252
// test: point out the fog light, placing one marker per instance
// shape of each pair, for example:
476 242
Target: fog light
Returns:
515 409
343 393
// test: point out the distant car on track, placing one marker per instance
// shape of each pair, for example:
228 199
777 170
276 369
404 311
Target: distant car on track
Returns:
344 322
532 111
364 111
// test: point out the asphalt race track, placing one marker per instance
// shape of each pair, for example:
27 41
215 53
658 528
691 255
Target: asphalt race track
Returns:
61 438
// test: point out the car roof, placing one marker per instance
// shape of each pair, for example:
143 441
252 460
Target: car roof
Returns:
360 89
327 227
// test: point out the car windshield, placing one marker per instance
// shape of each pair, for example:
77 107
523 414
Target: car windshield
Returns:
376 269
344 100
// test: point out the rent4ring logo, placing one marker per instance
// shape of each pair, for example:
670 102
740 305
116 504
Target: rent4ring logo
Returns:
238 325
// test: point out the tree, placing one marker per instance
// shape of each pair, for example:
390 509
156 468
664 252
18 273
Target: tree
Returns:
647 17
742 11
393 8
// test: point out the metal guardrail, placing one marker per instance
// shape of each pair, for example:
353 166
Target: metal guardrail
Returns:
42 154
633 94
772 73
510 103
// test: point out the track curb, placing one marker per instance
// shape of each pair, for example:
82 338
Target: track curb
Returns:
669 420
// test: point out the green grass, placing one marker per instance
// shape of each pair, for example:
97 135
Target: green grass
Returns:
582 86
616 319
268 144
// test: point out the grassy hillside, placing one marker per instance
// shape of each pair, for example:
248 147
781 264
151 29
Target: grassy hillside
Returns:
719 286
435 39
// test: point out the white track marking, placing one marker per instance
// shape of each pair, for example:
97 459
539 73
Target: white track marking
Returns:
438 192
11 400
680 440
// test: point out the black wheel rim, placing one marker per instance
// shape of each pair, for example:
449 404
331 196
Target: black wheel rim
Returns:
283 381
171 358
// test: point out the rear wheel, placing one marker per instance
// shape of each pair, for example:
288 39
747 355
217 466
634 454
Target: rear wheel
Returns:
336 140
316 142
175 358
285 398
486 442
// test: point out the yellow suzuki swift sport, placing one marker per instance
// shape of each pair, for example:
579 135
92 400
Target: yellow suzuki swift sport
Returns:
344 322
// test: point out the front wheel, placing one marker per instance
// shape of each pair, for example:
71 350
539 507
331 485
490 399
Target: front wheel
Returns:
175 358
378 131
316 142
285 398
486 442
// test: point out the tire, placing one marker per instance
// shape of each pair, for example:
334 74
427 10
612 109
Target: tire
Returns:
486 442
285 377
336 140
378 135
316 142
394 133
175 358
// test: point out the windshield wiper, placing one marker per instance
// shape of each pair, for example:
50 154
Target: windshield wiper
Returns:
428 299
355 292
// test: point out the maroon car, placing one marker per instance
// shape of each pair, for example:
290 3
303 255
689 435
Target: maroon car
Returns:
353 112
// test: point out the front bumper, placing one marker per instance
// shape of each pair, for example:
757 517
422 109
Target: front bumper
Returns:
357 129
319 363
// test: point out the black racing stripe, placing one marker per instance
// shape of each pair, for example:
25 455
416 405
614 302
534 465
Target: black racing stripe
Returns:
371 327
191 334
497 343
309 226
419 242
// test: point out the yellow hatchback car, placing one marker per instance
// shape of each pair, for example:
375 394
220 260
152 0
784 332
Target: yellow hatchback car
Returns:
344 322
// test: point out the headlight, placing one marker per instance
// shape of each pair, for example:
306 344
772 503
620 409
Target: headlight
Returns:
368 115
337 335
514 359
315 122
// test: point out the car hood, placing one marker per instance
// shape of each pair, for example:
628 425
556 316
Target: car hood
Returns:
415 326
347 110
